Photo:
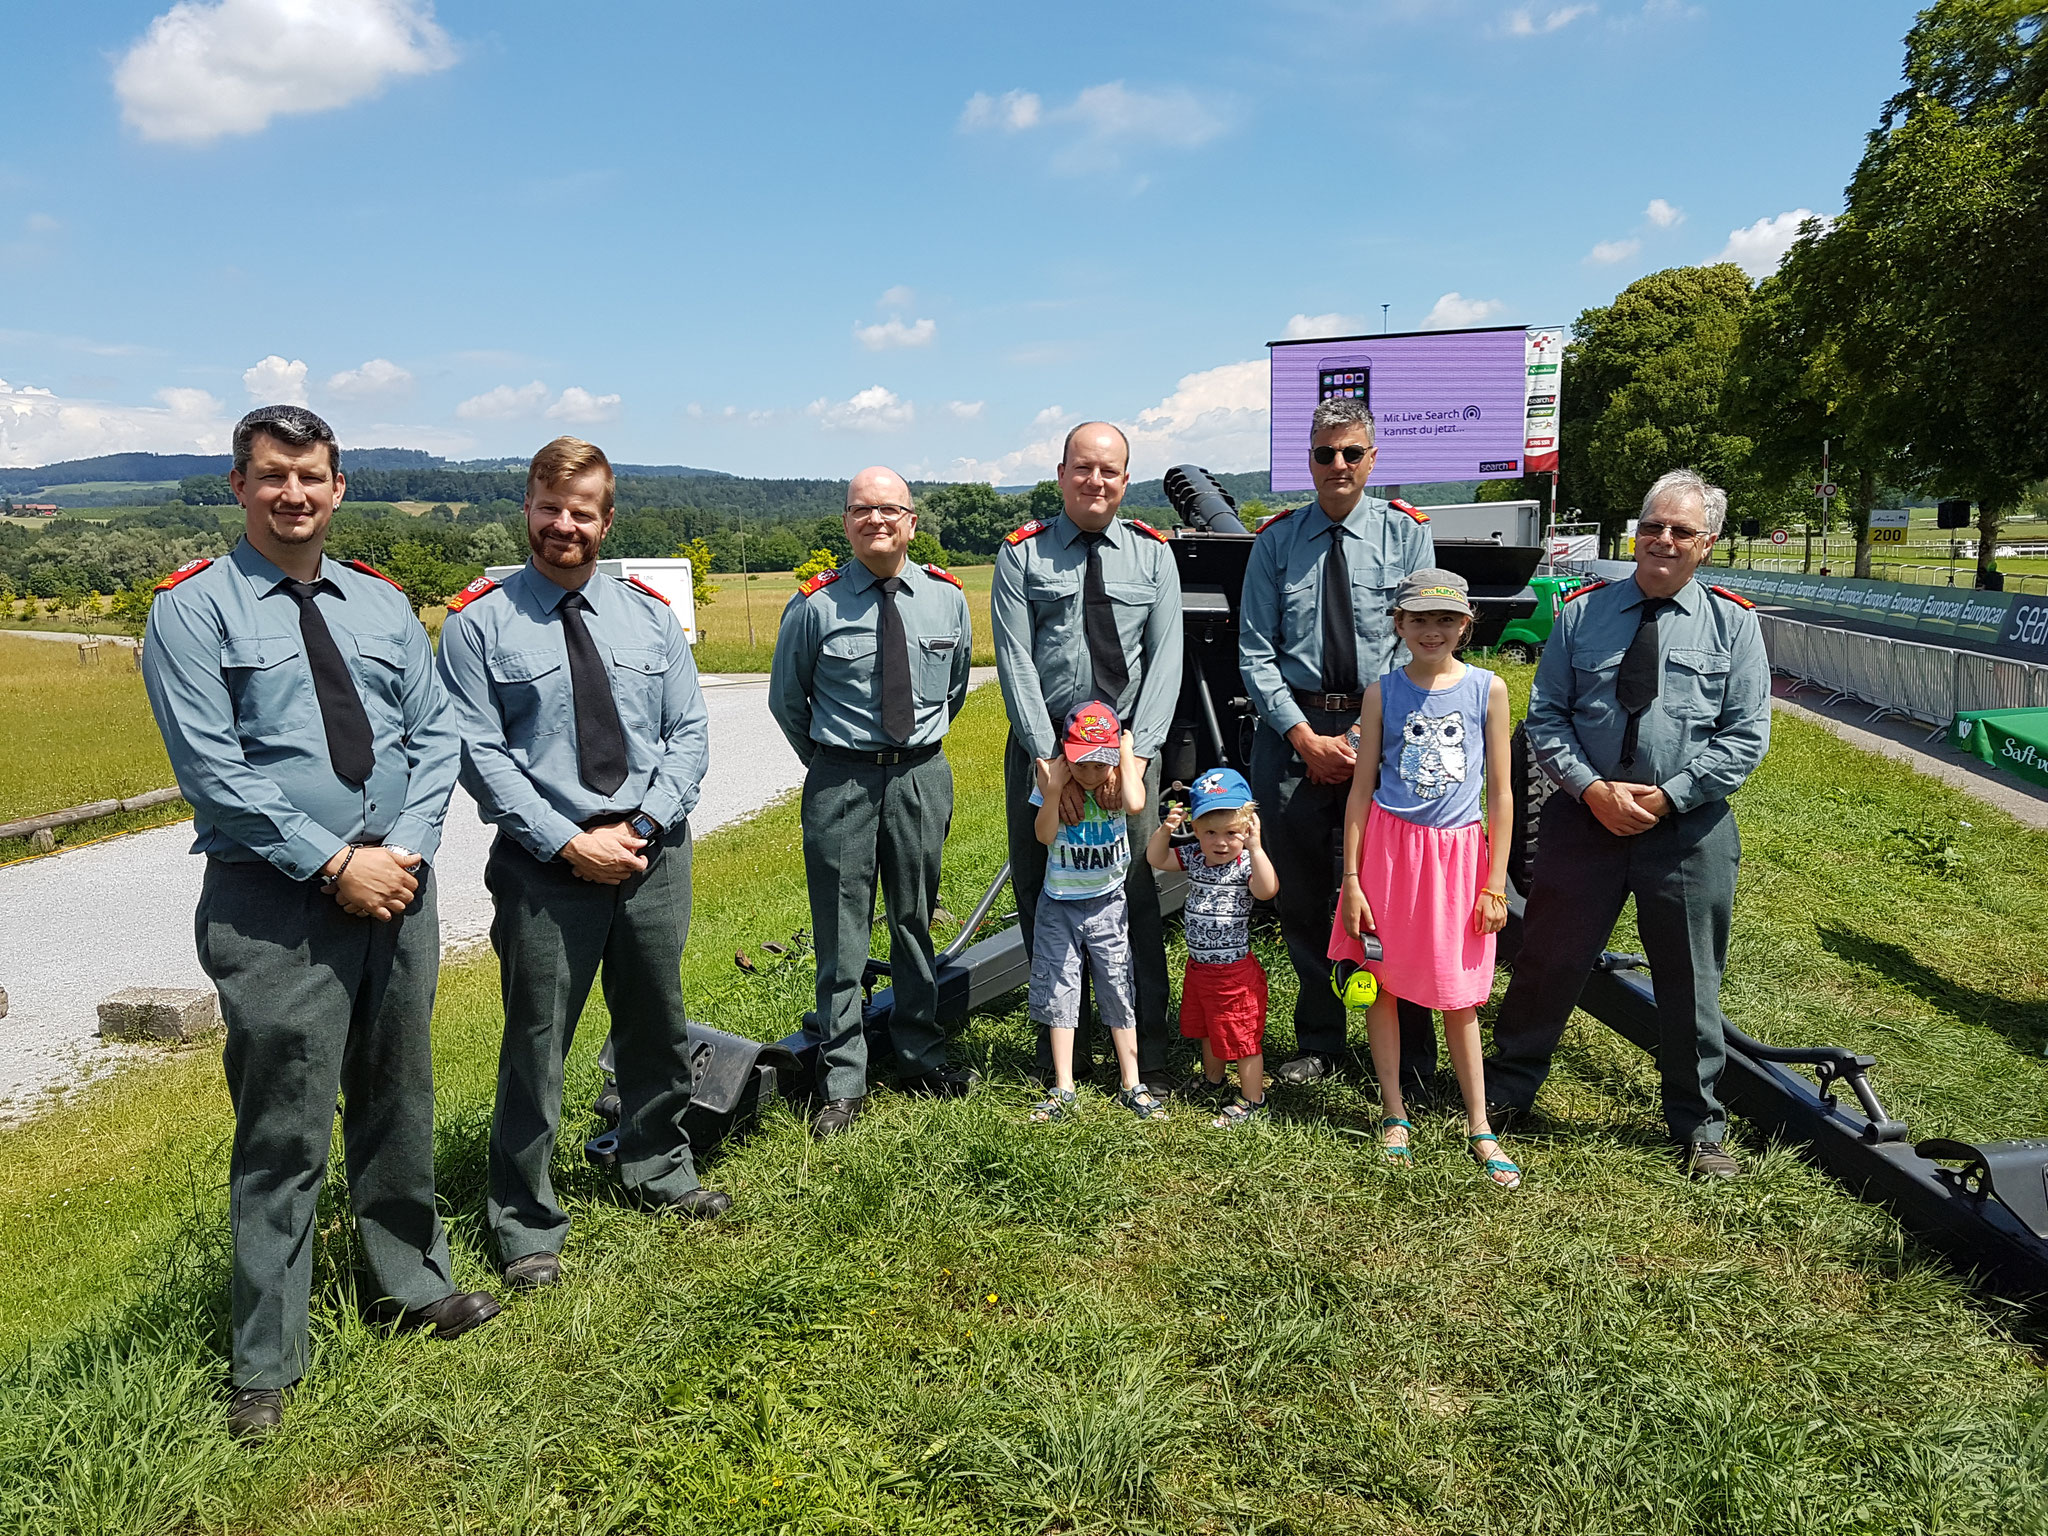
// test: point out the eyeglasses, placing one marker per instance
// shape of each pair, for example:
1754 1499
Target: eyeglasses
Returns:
1677 535
1351 451
888 512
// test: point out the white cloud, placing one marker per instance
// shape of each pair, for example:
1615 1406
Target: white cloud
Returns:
504 403
1663 215
966 410
38 427
379 376
1524 22
874 409
1607 252
1177 118
898 297
580 405
894 333
1302 327
275 381
1051 416
42 224
1759 248
1454 311
1012 112
207 68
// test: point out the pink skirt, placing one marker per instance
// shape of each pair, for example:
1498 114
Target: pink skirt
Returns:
1421 884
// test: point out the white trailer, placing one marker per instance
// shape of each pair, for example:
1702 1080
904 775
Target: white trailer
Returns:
1498 522
671 578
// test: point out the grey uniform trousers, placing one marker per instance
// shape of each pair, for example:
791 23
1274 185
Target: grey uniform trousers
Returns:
1298 819
319 1003
1682 875
553 933
863 820
1156 1037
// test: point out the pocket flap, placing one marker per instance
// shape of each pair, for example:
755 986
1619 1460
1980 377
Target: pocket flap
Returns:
1707 662
637 659
523 666
848 647
389 649
262 651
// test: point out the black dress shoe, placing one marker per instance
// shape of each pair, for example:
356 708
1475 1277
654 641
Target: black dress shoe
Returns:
534 1271
698 1205
1308 1067
452 1316
944 1083
254 1412
836 1116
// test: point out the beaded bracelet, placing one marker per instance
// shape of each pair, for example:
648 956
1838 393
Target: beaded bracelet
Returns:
329 882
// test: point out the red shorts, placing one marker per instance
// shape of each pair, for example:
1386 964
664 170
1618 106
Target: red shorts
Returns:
1225 1004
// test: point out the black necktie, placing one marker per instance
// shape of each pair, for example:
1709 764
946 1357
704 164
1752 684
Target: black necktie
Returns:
1098 619
1635 685
600 739
341 706
1340 625
899 709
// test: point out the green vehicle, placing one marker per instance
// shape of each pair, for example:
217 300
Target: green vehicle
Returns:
1523 638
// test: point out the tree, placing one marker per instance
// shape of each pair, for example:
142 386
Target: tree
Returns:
821 560
428 579
205 491
698 553
926 550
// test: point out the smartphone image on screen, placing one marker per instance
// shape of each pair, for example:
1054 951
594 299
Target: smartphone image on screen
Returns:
1344 378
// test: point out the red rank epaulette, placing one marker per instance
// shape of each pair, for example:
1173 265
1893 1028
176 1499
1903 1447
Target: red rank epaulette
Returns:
1029 530
1284 512
1415 512
1591 586
370 570
1734 597
471 593
184 572
1146 528
818 583
635 581
944 575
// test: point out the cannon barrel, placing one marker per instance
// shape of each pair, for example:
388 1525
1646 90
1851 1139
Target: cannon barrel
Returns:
1200 502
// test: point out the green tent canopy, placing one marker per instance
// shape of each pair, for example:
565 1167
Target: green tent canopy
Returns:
2013 739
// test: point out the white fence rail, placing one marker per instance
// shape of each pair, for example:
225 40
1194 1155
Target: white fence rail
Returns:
1928 683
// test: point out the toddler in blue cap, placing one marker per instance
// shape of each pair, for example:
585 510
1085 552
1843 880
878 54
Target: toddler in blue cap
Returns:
1223 994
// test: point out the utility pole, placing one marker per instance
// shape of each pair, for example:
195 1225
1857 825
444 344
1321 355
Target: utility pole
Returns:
1383 318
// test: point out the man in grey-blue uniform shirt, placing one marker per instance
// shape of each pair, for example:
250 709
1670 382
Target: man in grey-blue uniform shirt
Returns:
1651 707
584 740
871 666
1087 606
1315 629
297 699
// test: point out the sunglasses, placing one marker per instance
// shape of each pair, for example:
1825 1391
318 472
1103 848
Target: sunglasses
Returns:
1352 454
1650 533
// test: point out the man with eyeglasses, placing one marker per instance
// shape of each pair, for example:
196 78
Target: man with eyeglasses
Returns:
1652 705
871 666
1315 629
1087 606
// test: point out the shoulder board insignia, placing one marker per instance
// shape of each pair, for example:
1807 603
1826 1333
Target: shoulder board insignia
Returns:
944 575
184 572
370 570
1029 530
471 593
1578 592
1284 512
1734 597
635 581
1415 512
1147 528
818 583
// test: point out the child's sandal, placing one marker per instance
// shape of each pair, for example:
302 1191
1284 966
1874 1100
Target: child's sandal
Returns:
1238 1112
1495 1166
1397 1154
1139 1101
1053 1106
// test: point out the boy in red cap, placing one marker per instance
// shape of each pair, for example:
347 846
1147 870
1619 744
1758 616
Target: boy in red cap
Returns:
1082 920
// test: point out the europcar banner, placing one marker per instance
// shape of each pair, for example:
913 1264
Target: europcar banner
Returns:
1543 356
2008 623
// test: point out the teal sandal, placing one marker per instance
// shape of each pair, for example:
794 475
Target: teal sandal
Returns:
1398 1155
1240 1111
1494 1166
1053 1106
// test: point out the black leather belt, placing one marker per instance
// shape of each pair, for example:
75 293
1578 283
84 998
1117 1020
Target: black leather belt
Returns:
608 819
886 759
1332 703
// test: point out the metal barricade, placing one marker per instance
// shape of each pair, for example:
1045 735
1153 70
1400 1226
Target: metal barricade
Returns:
1995 682
1868 669
1924 683
1827 659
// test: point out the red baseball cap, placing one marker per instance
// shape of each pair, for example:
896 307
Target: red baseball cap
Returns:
1094 735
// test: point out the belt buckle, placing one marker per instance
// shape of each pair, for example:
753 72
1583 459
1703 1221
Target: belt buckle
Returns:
887 759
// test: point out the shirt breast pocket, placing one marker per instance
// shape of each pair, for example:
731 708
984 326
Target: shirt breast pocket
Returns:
850 657
1301 608
271 689
380 675
640 682
532 691
1696 683
1593 679
935 655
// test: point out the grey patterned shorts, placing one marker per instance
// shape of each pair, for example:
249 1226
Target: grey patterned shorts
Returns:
1068 936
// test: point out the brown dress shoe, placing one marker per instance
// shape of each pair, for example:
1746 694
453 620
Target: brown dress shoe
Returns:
534 1271
452 1316
836 1116
254 1412
1711 1160
698 1205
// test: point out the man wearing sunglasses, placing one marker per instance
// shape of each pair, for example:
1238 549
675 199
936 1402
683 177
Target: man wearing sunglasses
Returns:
1651 707
870 668
1315 628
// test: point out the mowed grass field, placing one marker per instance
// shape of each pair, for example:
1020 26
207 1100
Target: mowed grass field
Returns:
950 1321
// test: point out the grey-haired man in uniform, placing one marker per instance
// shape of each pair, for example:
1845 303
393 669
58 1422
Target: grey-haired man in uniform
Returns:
871 666
297 699
1652 705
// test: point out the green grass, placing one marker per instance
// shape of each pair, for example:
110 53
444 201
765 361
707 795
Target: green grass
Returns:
952 1322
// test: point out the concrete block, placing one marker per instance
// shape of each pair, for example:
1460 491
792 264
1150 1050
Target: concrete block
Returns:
159 1013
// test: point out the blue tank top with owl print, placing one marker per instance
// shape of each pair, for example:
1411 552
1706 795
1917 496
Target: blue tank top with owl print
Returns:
1433 748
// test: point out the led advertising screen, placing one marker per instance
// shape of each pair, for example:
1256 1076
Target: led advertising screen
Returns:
1448 405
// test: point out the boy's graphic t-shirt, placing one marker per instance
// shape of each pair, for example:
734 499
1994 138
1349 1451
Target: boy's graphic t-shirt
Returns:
1090 858
1218 916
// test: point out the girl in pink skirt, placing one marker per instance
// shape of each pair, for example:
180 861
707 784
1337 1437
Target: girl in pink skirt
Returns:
1422 873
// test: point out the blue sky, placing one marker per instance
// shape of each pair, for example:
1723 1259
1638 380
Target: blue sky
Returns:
793 240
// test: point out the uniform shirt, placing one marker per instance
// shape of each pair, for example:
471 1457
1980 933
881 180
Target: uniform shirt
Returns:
505 661
826 686
1711 720
1042 643
1280 618
1090 858
1218 916
233 695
